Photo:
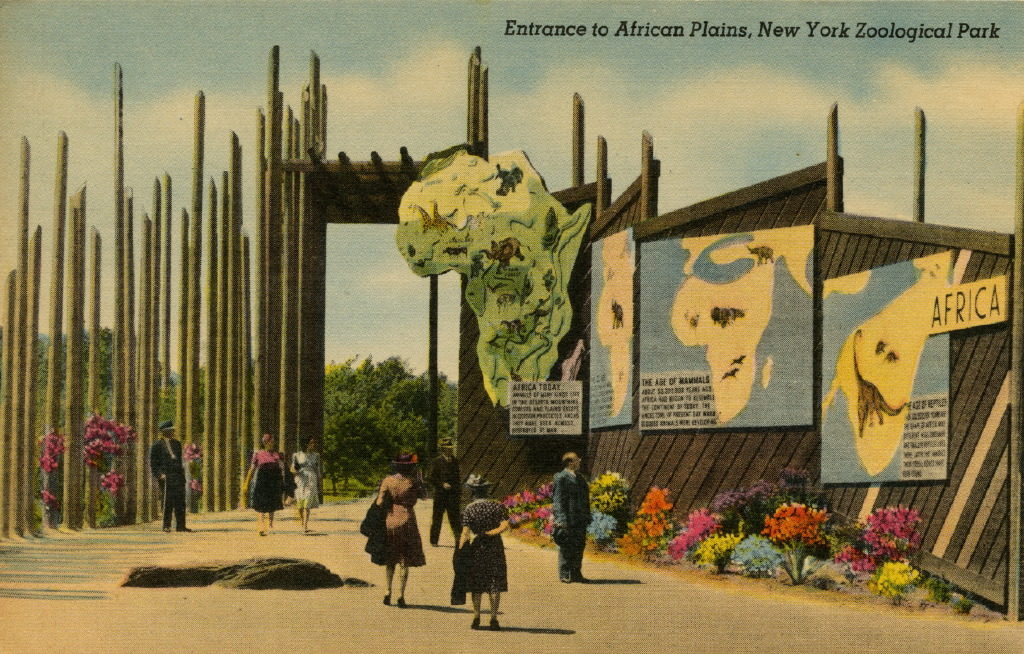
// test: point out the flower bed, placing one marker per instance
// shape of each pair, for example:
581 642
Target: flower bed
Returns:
779 532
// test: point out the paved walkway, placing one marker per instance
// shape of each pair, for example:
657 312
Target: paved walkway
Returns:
61 594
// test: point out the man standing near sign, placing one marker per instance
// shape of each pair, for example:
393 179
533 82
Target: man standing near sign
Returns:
572 516
166 465
446 479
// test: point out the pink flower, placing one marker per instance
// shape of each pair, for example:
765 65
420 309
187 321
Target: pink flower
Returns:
47 463
50 500
112 482
193 452
196 486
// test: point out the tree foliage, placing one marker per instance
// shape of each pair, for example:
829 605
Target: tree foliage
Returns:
374 410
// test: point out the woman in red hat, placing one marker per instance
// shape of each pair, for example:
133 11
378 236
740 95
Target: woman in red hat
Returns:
398 494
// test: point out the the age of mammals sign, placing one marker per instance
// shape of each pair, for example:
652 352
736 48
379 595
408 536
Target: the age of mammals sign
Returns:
812 29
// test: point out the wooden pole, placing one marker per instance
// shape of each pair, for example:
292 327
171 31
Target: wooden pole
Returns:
73 400
120 369
259 334
601 165
212 344
221 430
1014 590
247 389
184 305
20 344
433 388
648 178
7 446
323 118
144 410
919 164
32 370
271 345
131 375
193 407
165 368
471 98
833 165
155 276
232 474
293 213
95 396
482 113
577 140
52 418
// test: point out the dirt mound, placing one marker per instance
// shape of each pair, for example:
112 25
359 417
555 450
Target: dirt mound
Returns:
256 574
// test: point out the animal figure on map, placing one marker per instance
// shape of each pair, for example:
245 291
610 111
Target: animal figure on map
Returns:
726 316
738 361
509 179
504 251
870 403
731 373
616 315
693 320
435 221
455 251
763 253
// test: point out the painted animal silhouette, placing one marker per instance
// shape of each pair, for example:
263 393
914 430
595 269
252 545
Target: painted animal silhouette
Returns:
870 402
731 373
509 179
504 251
617 315
763 253
738 361
725 316
434 220
456 251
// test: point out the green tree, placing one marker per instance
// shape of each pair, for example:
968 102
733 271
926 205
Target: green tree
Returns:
373 411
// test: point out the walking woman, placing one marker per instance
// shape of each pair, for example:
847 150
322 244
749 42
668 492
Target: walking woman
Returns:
306 468
484 520
265 483
398 494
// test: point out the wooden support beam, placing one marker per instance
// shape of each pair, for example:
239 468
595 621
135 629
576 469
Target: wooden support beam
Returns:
577 140
243 443
601 170
235 436
220 428
433 388
94 404
144 408
472 79
314 250
7 446
35 254
1014 570
184 306
271 346
73 399
19 342
833 164
259 333
131 386
119 369
165 367
212 345
52 416
155 255
919 164
648 178
193 407
483 146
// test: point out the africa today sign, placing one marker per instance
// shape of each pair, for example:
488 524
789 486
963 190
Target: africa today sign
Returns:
969 305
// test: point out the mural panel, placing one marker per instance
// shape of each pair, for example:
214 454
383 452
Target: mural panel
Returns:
885 373
613 260
725 330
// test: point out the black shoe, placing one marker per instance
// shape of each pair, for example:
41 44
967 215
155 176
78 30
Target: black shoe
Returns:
566 580
581 580
476 623
400 603
387 600
185 529
494 625
167 530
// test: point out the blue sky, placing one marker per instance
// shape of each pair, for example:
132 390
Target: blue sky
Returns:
723 112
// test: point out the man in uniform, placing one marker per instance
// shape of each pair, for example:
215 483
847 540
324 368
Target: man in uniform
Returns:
572 516
447 482
166 464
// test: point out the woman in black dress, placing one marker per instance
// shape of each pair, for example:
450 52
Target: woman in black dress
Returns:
484 521
265 483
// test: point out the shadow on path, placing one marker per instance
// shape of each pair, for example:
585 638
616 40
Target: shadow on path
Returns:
600 582
539 630
437 608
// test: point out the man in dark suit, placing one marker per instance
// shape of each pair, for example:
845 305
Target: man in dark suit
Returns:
572 516
446 479
166 464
